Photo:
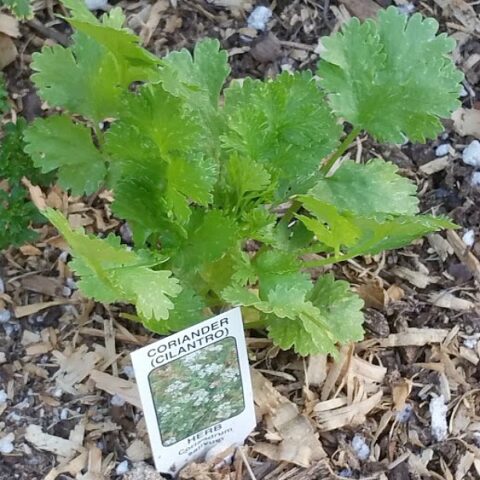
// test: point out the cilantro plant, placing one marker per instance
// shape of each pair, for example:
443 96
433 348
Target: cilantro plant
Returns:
200 170
16 211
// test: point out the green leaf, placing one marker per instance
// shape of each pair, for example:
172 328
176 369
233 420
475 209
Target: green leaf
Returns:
134 63
83 79
331 228
20 8
58 143
389 233
368 189
283 124
109 272
3 95
200 77
350 235
210 237
341 308
392 77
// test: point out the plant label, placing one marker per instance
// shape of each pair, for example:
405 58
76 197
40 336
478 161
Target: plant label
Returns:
196 391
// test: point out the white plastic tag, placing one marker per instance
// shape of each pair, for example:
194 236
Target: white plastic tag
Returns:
196 391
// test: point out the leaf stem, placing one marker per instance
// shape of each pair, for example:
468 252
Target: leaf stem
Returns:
328 260
327 166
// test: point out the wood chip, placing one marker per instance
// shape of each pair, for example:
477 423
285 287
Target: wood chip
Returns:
441 246
350 415
26 310
154 18
316 370
298 442
117 386
8 51
138 451
449 301
74 367
418 279
466 121
464 254
413 337
9 25
50 286
57 445
435 166
362 9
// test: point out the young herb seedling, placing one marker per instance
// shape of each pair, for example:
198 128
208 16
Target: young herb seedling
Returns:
200 179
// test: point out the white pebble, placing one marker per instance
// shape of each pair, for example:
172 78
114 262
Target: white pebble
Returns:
3 396
64 414
129 371
97 4
471 154
259 18
117 400
476 179
469 238
463 92
122 468
360 447
406 8
404 415
471 341
442 150
438 413
6 444
5 316
2 286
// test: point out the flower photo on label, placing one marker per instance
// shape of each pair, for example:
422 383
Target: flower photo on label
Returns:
197 391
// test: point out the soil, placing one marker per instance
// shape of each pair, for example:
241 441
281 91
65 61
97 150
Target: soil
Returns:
48 352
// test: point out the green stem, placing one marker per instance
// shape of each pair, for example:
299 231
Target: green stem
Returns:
327 166
327 261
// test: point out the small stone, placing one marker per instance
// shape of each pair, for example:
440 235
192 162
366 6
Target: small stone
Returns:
122 468
3 396
406 8
259 18
5 316
266 49
129 371
97 4
463 92
6 444
442 150
438 422
404 415
469 238
476 179
471 154
117 400
360 447
2 286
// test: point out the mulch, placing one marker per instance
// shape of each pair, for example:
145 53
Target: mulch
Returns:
69 408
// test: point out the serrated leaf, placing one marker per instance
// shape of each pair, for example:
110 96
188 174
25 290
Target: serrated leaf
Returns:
200 76
332 228
84 79
368 189
350 235
341 308
391 77
58 143
22 9
133 61
109 272
388 233
283 124
210 237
